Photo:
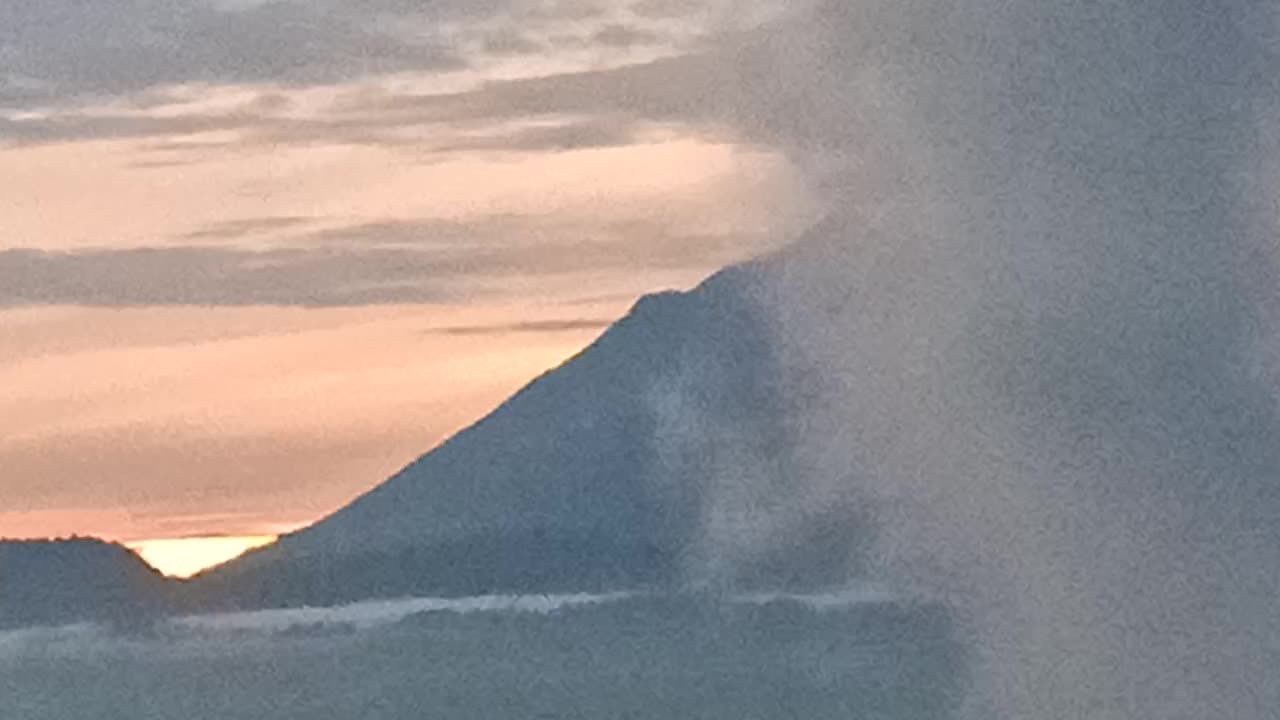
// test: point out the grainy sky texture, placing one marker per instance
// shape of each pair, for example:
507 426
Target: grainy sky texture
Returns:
254 256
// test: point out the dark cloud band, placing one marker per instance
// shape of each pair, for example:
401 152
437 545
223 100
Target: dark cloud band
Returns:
369 264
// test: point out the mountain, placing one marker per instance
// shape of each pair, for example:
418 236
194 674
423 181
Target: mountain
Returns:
59 582
601 474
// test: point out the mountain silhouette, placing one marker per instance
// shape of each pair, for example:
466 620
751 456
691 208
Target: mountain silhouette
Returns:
595 476
61 582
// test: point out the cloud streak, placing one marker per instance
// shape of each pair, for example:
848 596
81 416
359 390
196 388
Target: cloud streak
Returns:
533 326
128 69
363 264
62 49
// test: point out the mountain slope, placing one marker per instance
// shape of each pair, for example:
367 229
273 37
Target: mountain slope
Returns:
599 474
58 582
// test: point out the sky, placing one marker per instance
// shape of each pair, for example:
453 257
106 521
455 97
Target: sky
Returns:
256 256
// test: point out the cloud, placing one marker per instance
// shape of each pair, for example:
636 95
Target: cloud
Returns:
556 137
65 48
137 69
534 326
736 87
146 46
77 125
362 264
204 275
249 227
428 131
661 8
692 88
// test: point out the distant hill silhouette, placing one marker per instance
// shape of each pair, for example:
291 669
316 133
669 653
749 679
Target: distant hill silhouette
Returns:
59 582
597 475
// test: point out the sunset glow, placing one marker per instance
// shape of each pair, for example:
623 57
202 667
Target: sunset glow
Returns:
184 557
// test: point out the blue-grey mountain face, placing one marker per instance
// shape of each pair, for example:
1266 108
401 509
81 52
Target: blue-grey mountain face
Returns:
58 582
594 477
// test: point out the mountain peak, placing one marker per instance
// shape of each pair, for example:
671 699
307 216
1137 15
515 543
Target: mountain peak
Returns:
600 474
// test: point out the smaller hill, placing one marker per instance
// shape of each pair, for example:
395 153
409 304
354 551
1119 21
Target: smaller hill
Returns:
59 582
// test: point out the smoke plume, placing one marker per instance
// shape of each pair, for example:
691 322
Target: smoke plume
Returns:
1036 332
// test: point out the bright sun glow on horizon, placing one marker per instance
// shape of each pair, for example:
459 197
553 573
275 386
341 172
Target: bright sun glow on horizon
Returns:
184 557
